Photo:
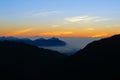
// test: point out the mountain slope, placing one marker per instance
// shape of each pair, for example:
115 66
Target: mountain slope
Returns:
101 57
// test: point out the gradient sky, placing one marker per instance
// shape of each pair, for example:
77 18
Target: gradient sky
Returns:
63 18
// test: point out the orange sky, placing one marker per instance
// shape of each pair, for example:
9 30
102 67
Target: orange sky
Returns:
58 32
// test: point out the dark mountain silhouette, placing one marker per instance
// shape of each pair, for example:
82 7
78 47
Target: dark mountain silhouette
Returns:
38 42
14 39
99 57
49 42
18 60
21 60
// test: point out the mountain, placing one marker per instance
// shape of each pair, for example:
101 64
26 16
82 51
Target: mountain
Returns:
98 57
49 42
19 60
14 39
8 38
38 42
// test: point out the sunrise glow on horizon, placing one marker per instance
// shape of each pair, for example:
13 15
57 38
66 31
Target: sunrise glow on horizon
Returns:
59 18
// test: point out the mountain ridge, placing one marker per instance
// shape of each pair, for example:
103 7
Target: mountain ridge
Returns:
98 57
37 42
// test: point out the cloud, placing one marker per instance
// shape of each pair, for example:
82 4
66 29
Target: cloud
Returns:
102 19
113 25
86 19
56 33
100 35
90 29
76 19
21 31
55 25
46 13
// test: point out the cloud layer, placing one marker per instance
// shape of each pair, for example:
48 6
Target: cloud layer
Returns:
57 33
86 19
19 32
46 13
100 35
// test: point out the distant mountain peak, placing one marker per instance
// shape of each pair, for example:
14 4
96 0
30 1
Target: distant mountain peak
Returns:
49 42
41 39
53 38
37 42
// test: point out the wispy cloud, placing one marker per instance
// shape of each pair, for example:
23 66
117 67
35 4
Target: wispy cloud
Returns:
86 19
18 32
46 13
90 29
55 26
57 33
100 35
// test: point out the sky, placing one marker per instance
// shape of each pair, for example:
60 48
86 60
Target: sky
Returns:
61 18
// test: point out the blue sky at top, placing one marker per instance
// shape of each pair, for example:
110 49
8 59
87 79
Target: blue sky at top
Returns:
72 13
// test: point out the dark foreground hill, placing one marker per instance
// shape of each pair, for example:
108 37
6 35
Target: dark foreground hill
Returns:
99 57
18 60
